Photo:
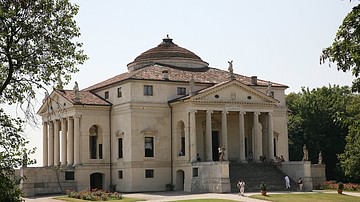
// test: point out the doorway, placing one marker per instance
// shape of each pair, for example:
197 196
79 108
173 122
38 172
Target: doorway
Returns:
180 178
96 181
215 145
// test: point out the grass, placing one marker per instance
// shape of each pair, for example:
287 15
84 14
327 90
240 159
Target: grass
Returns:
318 197
65 198
207 200
125 199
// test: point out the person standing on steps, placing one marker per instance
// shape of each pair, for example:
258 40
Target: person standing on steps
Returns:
287 182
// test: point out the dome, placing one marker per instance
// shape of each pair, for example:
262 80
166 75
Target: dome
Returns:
168 53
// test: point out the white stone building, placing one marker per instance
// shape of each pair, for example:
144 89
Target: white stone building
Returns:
162 122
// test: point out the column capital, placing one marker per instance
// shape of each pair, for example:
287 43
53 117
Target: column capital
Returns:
242 112
224 111
257 113
210 111
270 113
191 111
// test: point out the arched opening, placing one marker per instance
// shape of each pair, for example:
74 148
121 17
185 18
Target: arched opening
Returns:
181 135
96 181
93 138
95 143
180 179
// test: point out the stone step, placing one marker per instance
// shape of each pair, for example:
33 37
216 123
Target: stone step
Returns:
255 173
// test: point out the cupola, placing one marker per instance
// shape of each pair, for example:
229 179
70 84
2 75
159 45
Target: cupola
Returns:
168 53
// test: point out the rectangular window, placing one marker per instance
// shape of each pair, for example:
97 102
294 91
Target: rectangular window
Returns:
195 172
181 91
106 95
100 151
120 174
69 175
149 147
148 90
119 93
149 173
120 148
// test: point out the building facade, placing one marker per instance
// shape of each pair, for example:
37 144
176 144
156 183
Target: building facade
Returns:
163 123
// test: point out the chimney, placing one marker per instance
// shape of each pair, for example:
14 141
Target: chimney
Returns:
254 80
165 74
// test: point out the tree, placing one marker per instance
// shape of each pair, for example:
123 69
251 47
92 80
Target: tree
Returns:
313 121
12 154
350 159
38 49
345 50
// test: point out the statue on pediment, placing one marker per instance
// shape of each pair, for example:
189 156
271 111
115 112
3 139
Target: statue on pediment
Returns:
76 92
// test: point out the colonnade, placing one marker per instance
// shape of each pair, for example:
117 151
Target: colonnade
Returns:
256 135
70 136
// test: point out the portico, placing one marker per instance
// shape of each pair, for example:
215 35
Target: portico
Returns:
65 132
254 134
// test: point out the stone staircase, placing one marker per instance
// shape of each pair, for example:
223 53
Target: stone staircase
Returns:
255 173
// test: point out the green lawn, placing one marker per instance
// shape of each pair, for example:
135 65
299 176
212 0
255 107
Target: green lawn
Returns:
318 197
65 198
207 200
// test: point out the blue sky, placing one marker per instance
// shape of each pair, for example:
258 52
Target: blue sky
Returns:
278 40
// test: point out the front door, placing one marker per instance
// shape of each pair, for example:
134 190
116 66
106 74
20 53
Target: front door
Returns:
215 145
96 181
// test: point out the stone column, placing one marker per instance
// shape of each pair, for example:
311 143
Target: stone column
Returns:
51 143
45 144
271 136
56 143
77 140
255 137
242 136
193 149
224 133
70 142
187 141
208 136
63 142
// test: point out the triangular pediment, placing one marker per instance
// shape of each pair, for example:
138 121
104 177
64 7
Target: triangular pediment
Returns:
53 103
235 92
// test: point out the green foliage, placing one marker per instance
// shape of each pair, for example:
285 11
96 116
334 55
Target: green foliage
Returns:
345 49
350 159
345 186
313 120
340 186
12 154
37 46
37 43
263 186
302 197
95 195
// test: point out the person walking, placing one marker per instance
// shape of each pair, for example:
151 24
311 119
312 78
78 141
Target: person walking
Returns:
241 186
287 182
300 183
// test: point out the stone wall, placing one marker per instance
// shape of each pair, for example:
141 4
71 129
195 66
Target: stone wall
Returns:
44 180
296 169
212 177
318 175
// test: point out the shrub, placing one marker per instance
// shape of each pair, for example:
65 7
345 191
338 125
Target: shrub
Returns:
340 186
346 186
94 195
263 186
